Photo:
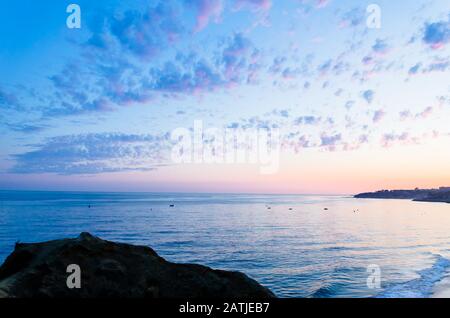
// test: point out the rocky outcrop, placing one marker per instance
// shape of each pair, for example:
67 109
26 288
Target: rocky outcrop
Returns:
114 270
436 197
426 195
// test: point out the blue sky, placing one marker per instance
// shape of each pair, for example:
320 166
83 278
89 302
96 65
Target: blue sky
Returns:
93 108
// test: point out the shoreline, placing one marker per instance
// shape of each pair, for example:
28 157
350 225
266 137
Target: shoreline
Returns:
440 195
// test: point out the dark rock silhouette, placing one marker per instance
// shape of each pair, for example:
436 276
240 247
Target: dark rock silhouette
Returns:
442 196
426 195
114 270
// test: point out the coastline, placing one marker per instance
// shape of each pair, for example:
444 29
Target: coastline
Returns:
441 195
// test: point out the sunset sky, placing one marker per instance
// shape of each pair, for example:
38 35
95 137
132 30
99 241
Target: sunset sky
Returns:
92 109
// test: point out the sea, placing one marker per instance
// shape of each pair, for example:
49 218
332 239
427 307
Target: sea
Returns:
296 245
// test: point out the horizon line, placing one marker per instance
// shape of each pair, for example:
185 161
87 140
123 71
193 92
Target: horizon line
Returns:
174 192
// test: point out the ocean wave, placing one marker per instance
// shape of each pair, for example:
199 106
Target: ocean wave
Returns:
327 291
421 287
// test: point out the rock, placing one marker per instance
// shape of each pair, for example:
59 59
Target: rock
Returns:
441 194
114 270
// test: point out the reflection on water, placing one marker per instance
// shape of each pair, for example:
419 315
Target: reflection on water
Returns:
296 248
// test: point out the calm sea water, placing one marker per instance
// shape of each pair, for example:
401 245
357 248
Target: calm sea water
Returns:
296 248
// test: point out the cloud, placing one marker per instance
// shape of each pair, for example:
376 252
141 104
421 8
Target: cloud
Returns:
284 113
378 116
84 88
368 95
363 139
291 74
349 104
330 141
94 153
380 47
142 34
390 139
367 60
102 82
427 112
298 142
207 10
307 6
8 100
353 18
235 55
307 120
404 115
277 64
438 65
237 63
198 77
322 3
437 34
66 109
300 132
27 128
257 5
415 69
325 67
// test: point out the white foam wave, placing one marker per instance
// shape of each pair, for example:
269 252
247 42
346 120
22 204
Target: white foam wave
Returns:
421 287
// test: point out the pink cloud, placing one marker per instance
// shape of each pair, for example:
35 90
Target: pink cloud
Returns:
426 113
389 140
207 10
258 5
404 115
322 3
378 116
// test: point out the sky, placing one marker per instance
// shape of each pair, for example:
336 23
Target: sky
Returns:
355 99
